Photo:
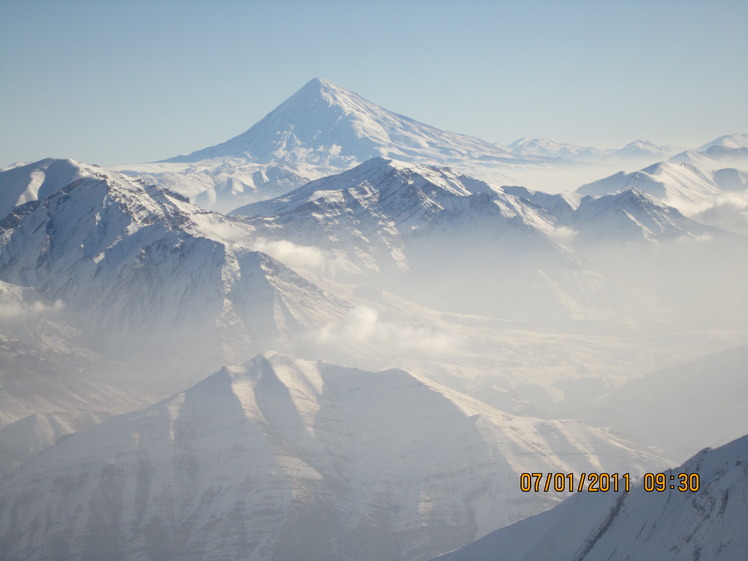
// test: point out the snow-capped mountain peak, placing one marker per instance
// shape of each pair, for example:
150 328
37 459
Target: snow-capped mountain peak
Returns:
326 125
546 148
321 130
729 141
632 215
646 148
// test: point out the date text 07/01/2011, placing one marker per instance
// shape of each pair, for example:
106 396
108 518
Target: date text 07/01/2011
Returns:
604 482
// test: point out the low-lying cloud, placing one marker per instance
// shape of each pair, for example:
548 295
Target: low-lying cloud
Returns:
362 331
728 211
305 257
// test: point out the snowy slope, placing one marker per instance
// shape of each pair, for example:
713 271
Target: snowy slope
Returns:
384 214
631 215
680 185
224 184
395 204
687 180
728 150
713 195
426 233
327 125
655 526
324 129
287 459
730 141
37 180
524 254
138 268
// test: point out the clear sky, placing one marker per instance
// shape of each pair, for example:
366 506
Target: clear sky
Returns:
132 81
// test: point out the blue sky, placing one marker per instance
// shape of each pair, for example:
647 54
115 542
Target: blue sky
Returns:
124 82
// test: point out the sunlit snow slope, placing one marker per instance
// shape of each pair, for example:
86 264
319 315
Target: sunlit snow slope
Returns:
294 460
639 525
141 270
37 180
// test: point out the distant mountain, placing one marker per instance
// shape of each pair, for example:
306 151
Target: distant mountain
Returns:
645 149
703 191
546 148
321 130
324 129
729 150
287 459
679 185
728 141
326 125
631 215
637 150
671 525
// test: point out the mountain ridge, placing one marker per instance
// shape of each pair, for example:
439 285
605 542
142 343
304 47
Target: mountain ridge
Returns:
132 263
295 459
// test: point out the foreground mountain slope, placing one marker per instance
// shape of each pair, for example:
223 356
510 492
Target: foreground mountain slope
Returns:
639 525
287 459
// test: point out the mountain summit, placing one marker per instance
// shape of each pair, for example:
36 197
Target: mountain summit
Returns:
326 125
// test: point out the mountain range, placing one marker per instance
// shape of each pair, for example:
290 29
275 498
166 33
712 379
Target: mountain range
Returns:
396 225
324 129
400 321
